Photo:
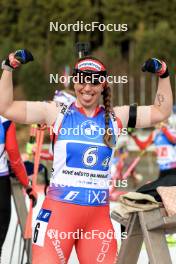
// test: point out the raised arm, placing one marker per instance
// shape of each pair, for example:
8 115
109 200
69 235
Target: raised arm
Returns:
22 111
16 162
147 116
160 110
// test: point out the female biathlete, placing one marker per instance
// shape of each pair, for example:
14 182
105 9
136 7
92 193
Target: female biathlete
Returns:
9 145
164 140
76 209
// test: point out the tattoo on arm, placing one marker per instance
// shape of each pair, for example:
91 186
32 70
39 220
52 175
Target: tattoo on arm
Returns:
160 99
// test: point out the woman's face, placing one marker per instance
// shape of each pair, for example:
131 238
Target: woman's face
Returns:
87 94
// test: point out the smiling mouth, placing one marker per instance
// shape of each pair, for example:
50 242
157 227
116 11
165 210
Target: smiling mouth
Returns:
87 96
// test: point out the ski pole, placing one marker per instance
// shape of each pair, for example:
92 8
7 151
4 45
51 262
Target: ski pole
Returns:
39 142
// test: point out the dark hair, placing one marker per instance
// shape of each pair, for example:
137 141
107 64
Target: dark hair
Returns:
107 104
107 138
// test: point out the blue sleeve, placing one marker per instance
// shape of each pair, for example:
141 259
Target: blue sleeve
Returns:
6 125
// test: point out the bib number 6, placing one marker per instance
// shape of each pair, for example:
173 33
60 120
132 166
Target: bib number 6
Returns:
90 157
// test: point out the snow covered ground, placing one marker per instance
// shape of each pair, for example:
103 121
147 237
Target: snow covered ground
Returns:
73 259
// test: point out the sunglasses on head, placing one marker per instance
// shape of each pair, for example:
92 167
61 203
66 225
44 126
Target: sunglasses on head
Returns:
91 77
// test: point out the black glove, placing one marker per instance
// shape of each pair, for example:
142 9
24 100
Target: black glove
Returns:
32 195
15 59
24 56
154 65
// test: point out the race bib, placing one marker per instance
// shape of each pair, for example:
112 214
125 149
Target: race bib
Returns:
39 230
85 156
